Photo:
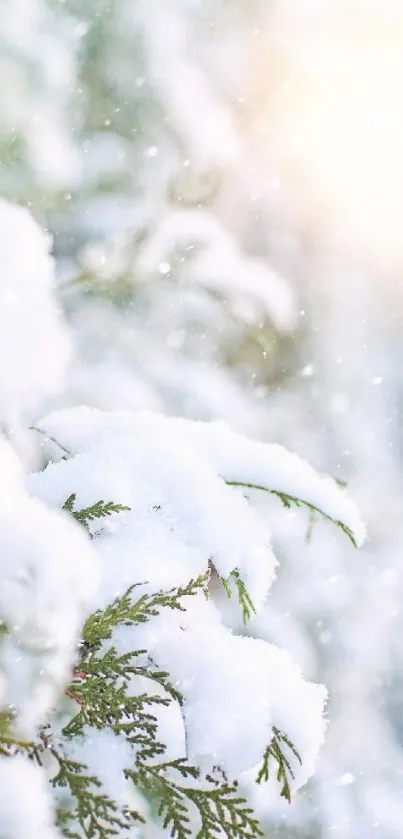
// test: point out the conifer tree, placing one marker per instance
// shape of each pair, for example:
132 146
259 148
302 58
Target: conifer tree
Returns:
155 326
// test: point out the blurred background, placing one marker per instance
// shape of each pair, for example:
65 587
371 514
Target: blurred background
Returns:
223 181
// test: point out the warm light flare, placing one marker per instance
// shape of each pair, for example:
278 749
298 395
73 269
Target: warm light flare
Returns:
331 120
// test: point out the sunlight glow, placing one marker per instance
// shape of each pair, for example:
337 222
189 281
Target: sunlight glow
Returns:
332 121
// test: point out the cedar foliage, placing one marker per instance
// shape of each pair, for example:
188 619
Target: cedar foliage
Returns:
176 790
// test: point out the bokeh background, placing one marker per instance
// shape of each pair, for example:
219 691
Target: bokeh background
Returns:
224 185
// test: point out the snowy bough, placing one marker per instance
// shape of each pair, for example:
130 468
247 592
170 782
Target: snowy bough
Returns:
126 702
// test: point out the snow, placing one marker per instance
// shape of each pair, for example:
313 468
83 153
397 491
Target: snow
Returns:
183 515
203 276
186 485
38 47
218 671
107 755
274 468
216 262
33 337
48 576
232 456
23 782
208 131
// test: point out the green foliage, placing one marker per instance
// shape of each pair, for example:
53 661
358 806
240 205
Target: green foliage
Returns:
100 689
123 610
99 510
85 810
96 813
219 806
245 601
103 704
276 751
289 501
122 693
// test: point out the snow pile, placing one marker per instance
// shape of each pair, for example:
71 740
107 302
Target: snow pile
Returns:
48 570
48 576
236 689
182 514
274 468
35 818
34 343
183 517
233 457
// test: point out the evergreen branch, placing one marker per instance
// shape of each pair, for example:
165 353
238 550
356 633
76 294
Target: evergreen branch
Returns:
105 665
245 600
223 810
275 751
100 625
104 705
163 679
7 741
98 510
220 808
100 686
98 816
69 503
171 804
92 666
289 500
